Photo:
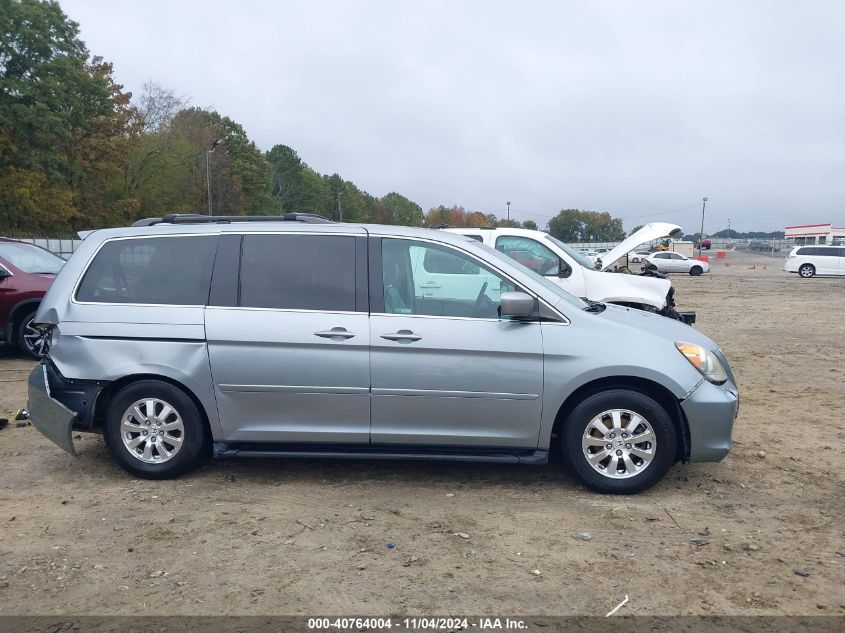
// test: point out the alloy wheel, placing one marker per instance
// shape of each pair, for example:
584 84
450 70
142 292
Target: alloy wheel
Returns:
619 443
152 431
34 339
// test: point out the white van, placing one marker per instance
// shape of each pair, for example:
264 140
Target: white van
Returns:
809 261
575 272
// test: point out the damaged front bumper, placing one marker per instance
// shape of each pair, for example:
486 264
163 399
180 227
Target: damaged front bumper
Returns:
710 411
48 415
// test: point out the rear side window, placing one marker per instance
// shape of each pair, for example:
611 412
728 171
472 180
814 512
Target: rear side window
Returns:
823 251
155 270
298 272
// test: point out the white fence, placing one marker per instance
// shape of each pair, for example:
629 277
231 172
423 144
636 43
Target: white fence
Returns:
61 247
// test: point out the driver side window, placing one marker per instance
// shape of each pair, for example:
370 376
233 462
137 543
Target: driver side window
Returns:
421 278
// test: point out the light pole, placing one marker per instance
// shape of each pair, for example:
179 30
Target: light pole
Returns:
208 154
701 235
509 211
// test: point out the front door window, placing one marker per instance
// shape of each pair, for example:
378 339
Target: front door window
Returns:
421 278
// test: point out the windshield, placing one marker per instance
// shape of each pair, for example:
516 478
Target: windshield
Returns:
548 284
578 257
29 258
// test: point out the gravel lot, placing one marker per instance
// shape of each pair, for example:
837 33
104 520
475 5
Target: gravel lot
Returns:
79 536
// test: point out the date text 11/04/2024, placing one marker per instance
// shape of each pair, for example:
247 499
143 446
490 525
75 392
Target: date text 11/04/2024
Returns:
416 623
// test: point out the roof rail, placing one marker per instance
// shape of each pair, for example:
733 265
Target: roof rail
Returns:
473 228
195 218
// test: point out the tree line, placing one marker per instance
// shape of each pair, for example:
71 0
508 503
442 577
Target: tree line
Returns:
77 151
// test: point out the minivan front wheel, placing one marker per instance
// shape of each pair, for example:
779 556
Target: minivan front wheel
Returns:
619 441
155 431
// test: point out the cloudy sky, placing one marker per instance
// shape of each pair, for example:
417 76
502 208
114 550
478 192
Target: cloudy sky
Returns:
636 108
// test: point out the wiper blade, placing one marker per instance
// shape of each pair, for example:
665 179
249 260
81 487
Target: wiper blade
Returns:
594 306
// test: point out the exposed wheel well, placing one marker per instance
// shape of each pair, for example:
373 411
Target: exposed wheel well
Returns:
650 388
20 311
101 404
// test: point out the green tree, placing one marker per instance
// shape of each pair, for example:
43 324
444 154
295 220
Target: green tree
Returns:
64 123
293 184
403 211
574 225
530 224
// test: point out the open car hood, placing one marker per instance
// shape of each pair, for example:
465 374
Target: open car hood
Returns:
651 231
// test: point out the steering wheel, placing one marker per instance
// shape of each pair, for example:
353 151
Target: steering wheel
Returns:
481 300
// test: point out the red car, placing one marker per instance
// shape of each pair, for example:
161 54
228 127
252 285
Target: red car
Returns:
26 272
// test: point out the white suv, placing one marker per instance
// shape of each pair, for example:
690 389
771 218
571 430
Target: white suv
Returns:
809 261
575 272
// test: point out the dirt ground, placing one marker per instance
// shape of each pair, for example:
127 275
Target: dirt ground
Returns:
79 536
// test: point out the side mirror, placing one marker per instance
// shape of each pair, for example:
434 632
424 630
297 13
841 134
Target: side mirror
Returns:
517 304
563 269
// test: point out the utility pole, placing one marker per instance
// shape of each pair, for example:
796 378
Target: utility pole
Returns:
701 235
208 154
509 211
339 209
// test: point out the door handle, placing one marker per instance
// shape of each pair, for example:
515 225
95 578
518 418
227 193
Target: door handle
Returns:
402 335
335 332
430 284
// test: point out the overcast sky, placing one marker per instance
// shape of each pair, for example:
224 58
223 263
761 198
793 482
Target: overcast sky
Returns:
636 108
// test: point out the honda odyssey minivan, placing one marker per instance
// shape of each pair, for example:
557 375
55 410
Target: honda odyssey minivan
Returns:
195 337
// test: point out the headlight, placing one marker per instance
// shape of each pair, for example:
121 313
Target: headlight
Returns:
704 361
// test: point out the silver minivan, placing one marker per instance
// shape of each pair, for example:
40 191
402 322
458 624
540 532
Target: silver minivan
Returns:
194 337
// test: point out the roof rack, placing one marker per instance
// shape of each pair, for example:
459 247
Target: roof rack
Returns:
473 228
195 218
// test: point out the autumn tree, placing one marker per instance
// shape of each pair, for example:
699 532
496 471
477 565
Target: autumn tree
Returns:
574 225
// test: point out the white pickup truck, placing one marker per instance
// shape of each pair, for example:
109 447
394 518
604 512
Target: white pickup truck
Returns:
550 257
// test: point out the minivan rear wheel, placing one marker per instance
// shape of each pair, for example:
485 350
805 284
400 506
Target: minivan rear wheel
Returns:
619 441
155 431
807 271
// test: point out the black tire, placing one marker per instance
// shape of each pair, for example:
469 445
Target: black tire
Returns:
196 439
695 271
575 426
806 270
21 332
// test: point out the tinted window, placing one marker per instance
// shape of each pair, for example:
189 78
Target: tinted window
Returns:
662 256
530 253
160 270
448 263
819 251
298 272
